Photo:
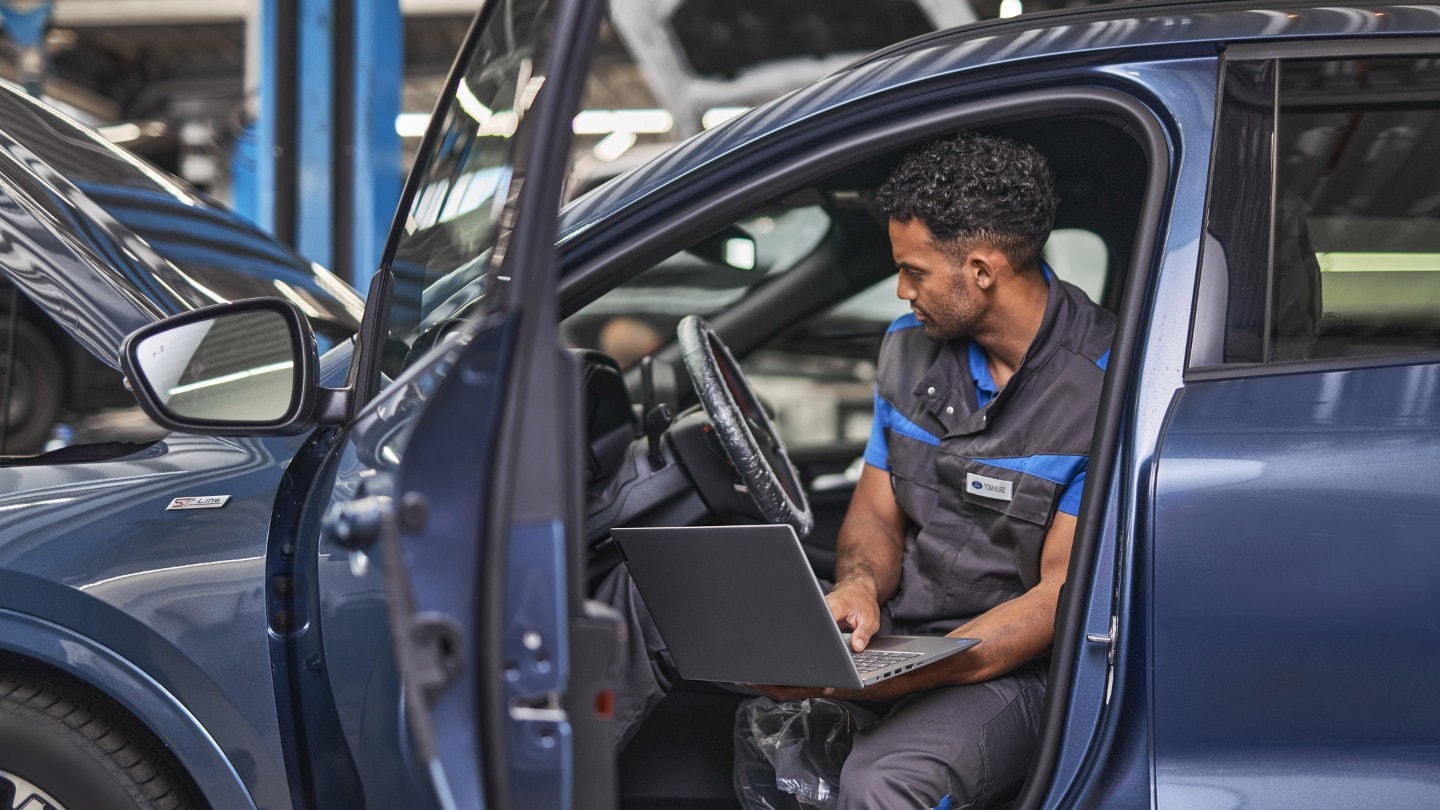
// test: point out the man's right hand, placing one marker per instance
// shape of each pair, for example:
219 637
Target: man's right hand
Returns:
855 608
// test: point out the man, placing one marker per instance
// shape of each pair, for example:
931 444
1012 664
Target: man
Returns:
964 514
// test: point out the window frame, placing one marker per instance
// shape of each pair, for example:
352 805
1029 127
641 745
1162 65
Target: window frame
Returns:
1278 53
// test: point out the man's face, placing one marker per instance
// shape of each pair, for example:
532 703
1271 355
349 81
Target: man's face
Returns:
943 297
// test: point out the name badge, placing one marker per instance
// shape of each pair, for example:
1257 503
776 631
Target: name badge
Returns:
987 487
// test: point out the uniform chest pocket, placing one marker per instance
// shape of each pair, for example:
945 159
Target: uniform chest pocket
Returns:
913 478
1012 493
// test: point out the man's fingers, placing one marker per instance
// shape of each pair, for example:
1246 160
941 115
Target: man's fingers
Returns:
860 635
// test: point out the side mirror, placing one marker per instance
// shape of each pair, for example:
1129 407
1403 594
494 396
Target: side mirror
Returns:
246 367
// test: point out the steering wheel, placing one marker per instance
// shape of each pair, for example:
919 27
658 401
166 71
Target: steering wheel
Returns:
744 430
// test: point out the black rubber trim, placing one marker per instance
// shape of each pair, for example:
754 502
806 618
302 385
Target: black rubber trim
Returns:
1114 401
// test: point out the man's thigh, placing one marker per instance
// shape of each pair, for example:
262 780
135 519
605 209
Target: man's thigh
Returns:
970 743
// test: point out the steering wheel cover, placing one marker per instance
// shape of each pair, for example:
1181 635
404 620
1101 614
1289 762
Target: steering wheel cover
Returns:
710 363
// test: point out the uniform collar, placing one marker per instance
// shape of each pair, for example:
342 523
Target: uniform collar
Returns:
985 387
965 403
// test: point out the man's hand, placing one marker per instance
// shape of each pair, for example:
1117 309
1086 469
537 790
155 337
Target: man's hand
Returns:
857 609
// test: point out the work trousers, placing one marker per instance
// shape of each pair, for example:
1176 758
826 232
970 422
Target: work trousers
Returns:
955 747
646 672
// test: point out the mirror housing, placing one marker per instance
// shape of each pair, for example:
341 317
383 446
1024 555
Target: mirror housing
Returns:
236 369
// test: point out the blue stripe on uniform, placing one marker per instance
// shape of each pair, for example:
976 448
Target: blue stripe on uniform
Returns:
1104 360
1070 498
877 451
906 321
1068 471
1060 469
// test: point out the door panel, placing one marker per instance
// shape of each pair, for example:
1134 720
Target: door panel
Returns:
465 488
1296 556
366 599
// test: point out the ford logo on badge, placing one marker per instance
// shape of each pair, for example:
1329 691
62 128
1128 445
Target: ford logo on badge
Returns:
976 485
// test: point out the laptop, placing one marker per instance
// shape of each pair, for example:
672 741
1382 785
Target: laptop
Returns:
740 604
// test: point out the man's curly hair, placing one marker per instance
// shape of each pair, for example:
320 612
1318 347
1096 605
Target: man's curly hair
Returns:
973 190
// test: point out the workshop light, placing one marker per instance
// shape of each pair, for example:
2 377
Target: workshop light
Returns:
472 105
411 125
715 116
131 131
636 122
740 253
612 146
121 133
284 365
587 122
1011 8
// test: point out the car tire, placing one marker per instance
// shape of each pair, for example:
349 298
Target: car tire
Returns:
60 750
35 388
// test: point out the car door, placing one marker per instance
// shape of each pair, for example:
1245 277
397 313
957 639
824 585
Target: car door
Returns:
450 523
1294 651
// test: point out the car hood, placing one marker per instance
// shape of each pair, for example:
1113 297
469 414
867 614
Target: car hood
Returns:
106 243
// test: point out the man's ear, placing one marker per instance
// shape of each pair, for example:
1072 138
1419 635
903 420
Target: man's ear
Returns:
984 265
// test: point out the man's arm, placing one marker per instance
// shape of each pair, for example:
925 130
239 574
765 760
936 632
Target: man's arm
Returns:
1011 633
867 556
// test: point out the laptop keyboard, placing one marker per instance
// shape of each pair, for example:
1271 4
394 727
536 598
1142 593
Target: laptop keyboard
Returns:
871 660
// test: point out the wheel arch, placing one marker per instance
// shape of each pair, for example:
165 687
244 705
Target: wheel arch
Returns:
33 646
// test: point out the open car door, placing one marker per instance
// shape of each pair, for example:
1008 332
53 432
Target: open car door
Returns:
478 529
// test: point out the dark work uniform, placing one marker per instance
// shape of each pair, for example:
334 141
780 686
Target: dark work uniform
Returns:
981 474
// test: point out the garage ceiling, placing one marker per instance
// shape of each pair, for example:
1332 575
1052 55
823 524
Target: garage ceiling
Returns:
176 61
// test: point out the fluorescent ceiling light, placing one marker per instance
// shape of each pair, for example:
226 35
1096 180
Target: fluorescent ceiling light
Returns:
715 116
587 122
121 133
612 146
639 122
412 125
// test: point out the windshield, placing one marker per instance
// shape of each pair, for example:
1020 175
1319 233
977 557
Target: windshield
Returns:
451 225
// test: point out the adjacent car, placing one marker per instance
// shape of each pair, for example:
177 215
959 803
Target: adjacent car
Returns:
361 577
98 244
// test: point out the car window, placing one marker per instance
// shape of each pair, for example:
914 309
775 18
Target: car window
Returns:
819 377
640 315
1347 262
451 229
1081 258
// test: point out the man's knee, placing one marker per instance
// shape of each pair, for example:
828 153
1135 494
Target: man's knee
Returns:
879 774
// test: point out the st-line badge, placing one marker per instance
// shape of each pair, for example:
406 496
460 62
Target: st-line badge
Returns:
198 502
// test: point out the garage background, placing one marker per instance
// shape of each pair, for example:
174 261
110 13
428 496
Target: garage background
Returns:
264 103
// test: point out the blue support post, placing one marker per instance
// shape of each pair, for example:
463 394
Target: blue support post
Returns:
245 194
378 157
26 21
329 171
279 46
315 134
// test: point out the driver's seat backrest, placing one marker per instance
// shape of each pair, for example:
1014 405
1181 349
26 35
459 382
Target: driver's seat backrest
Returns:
611 423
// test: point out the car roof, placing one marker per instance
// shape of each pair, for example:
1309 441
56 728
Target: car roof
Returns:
1141 30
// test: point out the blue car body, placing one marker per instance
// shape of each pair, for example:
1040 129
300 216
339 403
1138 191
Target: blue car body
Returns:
1247 617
